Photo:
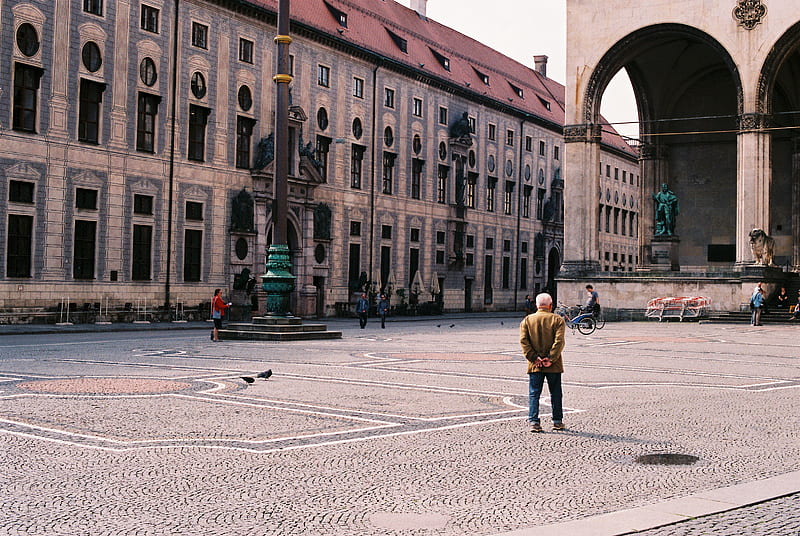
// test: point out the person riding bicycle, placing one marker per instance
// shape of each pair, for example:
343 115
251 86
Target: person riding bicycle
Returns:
592 302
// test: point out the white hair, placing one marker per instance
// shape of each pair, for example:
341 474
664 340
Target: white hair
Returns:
543 300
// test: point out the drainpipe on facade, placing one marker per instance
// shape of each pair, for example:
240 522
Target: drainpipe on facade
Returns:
372 173
520 184
171 180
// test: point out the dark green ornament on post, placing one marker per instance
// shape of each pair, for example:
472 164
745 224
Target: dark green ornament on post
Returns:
278 282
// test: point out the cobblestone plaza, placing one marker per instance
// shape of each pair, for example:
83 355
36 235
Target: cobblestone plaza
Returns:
414 429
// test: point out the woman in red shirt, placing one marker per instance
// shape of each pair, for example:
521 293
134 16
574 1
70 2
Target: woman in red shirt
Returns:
217 309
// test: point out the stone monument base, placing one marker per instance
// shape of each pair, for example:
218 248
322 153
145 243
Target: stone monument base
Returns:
665 254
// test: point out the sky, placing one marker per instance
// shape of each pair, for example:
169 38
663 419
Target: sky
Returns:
522 29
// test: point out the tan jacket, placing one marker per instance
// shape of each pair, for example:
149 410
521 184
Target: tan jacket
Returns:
542 334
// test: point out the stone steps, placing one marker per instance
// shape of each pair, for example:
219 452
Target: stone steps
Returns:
289 328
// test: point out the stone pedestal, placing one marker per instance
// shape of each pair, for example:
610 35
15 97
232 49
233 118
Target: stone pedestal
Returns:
665 254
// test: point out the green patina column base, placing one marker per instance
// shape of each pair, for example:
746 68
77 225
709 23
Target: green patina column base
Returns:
278 282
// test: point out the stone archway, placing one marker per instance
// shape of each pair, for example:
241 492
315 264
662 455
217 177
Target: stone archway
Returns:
778 100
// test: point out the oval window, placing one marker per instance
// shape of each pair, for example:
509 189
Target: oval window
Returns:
358 130
241 249
245 98
417 144
319 253
490 163
27 39
442 151
472 159
388 136
147 72
322 118
91 56
509 167
198 85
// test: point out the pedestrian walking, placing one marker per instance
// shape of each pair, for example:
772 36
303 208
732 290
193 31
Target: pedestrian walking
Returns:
218 307
383 309
541 336
362 310
528 304
756 305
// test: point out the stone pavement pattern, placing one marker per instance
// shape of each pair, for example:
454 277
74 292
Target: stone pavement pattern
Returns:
417 429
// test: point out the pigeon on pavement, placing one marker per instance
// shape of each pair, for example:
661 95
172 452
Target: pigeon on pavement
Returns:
452 325
266 374
248 379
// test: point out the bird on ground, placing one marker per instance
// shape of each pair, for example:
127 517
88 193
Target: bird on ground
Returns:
438 325
266 374
452 325
502 323
248 379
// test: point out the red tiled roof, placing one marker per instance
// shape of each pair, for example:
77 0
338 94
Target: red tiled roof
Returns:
367 24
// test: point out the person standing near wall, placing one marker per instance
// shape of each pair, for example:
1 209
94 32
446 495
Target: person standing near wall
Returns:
218 307
756 305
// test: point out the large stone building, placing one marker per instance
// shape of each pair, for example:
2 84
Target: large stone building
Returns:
717 91
136 154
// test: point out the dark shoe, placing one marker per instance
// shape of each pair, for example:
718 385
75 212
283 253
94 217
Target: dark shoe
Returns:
558 426
536 427
212 335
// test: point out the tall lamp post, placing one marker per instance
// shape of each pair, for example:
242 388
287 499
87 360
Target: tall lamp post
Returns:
278 281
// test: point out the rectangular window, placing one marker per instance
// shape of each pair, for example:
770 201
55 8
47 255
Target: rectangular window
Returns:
358 88
492 132
469 259
439 257
355 228
244 135
20 191
471 180
488 276
542 148
507 196
416 177
526 201
506 272
142 251
472 124
95 7
442 115
86 198
192 251
323 148
624 225
26 90
540 193
441 184
624 176
354 266
386 232
19 246
616 221
413 265
388 98
143 204
198 119
414 234
470 241
417 107
489 244
506 245
440 237
528 143
555 152
510 138
194 211
245 50
199 35
91 95
608 170
323 76
388 172
490 194
83 254
149 18
356 165
146 122
608 219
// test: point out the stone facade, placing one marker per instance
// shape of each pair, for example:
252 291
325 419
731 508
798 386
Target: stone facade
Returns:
130 128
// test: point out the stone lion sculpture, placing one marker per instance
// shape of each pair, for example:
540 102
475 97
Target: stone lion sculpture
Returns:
762 246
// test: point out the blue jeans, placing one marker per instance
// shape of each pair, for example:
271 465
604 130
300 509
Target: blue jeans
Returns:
535 385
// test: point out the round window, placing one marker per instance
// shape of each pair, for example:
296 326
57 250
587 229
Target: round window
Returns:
442 150
147 72
198 85
241 249
245 98
358 130
388 136
527 172
540 177
322 118
91 56
27 39
472 159
319 253
509 167
490 163
417 144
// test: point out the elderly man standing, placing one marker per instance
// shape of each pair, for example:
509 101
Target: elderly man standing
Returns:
541 336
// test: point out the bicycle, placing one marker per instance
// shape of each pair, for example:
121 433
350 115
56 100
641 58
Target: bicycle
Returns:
599 319
582 321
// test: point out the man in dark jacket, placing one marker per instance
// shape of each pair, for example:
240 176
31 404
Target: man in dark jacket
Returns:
362 310
541 336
